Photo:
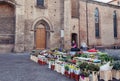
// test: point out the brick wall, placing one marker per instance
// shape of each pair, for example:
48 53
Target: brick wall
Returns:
106 24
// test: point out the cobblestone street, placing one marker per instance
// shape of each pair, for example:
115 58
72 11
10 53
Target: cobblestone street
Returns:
18 67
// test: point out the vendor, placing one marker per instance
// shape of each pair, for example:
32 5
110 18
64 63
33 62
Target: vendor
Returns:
74 45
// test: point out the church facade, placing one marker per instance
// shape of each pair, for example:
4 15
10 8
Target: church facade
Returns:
39 24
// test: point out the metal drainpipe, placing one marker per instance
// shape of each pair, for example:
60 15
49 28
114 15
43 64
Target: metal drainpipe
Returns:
87 21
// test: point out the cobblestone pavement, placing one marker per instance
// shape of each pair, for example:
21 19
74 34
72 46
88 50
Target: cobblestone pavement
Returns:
18 67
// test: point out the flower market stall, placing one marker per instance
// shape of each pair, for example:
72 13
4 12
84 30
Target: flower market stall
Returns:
82 66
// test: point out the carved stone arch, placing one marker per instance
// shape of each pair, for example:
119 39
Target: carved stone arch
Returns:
10 2
43 20
42 23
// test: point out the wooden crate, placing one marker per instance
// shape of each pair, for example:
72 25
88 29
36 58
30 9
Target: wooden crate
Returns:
34 58
106 75
116 74
94 76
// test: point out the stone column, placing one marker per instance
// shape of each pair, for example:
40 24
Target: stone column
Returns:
19 27
67 24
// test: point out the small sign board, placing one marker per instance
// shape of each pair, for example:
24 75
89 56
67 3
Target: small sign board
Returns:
62 33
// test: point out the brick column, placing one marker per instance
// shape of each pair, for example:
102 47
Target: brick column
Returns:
67 24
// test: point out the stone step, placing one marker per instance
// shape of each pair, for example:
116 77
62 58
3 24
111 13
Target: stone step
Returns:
6 48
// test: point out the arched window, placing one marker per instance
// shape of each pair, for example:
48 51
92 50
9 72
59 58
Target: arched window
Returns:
115 23
97 31
74 8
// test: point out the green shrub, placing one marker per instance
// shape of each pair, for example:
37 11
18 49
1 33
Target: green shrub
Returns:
116 65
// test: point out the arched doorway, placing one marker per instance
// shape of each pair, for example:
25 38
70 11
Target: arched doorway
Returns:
42 35
7 26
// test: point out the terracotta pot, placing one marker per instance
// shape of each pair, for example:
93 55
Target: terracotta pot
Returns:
52 67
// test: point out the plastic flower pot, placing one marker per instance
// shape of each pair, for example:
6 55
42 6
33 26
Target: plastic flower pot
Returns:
77 74
43 62
72 75
77 77
82 78
52 67
39 61
67 74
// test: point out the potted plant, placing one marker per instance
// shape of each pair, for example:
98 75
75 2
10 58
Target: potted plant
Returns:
83 65
93 70
42 60
72 67
77 73
66 70
116 70
84 76
52 64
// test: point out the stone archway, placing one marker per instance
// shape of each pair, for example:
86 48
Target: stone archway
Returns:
40 36
42 31
7 26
